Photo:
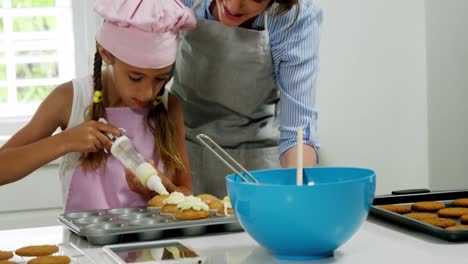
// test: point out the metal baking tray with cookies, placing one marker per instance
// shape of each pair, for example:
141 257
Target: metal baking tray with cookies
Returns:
111 226
443 214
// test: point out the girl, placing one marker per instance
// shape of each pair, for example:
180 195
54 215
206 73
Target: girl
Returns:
137 41
254 84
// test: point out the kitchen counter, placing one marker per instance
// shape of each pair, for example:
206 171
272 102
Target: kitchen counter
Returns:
375 242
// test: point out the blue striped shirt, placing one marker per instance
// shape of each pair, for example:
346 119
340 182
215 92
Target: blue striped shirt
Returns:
295 56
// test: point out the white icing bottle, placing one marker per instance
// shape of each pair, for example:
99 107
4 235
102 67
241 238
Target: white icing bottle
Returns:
122 148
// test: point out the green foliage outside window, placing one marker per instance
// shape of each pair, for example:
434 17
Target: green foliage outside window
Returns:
32 94
2 72
32 3
34 24
34 52
26 71
37 70
3 95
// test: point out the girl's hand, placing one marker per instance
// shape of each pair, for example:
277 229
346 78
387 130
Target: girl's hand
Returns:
89 136
136 186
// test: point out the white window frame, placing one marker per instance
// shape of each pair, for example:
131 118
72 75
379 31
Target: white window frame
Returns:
85 23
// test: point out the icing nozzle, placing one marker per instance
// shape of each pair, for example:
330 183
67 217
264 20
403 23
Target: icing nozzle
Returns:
148 175
154 183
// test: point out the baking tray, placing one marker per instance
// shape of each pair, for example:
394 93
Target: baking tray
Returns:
407 197
111 226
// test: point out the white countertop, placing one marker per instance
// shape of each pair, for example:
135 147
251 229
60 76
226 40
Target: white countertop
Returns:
375 242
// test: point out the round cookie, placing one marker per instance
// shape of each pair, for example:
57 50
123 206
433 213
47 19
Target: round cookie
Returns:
453 212
157 201
212 201
228 210
420 216
191 214
192 208
37 251
397 208
7 262
171 202
462 202
464 219
207 198
50 260
227 207
169 209
427 206
4 255
457 227
440 222
216 205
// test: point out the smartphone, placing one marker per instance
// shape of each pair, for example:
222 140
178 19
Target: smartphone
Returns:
165 252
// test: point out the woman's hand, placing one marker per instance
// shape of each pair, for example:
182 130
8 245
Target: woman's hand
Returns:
136 186
89 136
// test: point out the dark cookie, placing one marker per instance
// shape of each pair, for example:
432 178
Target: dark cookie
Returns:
207 198
464 219
420 216
37 251
397 208
50 260
7 262
453 212
229 211
463 202
191 214
212 201
427 206
457 227
169 209
4 255
440 222
157 201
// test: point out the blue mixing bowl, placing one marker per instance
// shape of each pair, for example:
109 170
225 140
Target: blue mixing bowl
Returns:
303 222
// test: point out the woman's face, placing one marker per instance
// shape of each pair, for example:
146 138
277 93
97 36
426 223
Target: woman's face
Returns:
233 13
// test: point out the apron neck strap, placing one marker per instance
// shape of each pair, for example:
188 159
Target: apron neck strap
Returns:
265 20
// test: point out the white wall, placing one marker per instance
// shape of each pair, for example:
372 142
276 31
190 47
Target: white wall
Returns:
447 46
33 201
372 90
85 24
41 189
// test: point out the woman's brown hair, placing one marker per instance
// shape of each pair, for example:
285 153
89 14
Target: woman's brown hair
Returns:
157 119
283 6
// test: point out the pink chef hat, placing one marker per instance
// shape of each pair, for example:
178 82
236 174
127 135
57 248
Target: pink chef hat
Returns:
143 33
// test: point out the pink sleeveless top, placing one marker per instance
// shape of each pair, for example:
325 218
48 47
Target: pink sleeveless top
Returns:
107 187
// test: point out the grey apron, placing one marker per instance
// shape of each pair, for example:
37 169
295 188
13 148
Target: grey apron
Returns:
225 81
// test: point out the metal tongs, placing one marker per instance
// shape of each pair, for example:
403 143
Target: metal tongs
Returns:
203 137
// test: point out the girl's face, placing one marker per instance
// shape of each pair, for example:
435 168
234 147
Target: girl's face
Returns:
135 87
233 13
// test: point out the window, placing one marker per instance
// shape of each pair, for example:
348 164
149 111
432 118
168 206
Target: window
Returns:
36 54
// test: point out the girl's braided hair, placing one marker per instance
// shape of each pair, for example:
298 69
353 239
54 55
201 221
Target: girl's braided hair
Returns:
157 119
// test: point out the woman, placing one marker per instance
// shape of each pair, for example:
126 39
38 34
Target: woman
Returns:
246 77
